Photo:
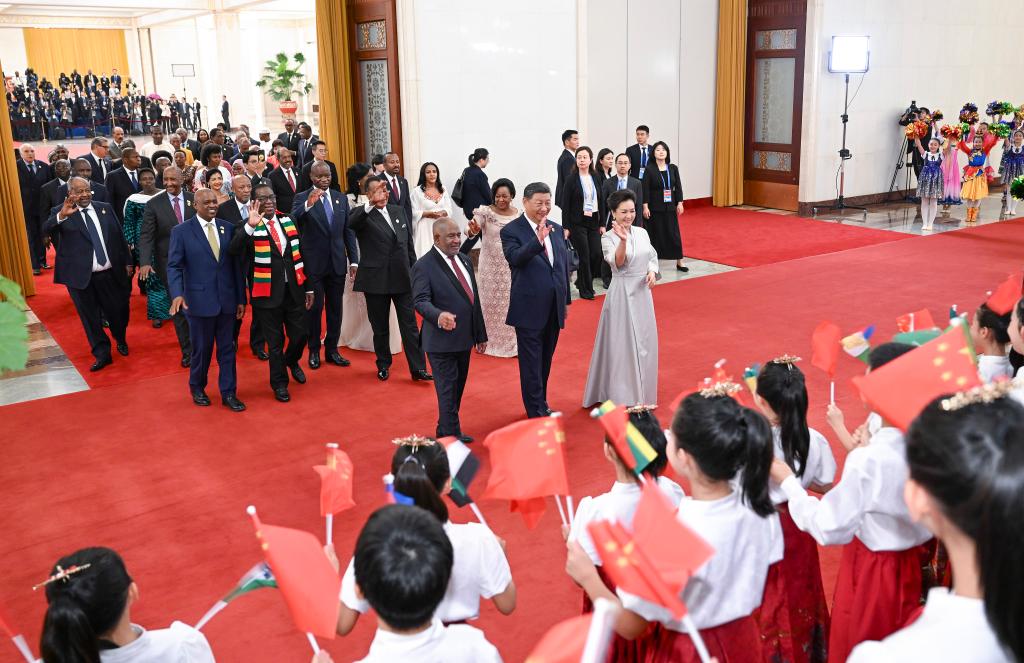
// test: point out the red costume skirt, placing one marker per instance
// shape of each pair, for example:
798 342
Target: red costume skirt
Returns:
876 594
621 650
738 641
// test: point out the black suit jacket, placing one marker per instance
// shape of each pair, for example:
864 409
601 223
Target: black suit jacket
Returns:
304 155
610 186
405 201
228 210
566 162
75 248
654 187
326 248
386 251
50 197
242 245
634 154
155 236
291 141
97 173
99 193
436 289
475 190
572 199
119 186
30 184
305 181
283 190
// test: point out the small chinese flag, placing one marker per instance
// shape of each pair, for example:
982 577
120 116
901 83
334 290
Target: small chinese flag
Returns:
306 579
899 390
915 321
563 643
825 347
630 569
631 445
527 460
1003 299
335 483
675 550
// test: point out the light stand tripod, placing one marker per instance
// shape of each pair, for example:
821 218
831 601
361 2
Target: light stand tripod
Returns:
844 156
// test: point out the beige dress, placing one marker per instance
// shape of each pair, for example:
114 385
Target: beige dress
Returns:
494 279
356 333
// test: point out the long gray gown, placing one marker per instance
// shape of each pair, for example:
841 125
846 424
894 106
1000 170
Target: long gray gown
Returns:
624 365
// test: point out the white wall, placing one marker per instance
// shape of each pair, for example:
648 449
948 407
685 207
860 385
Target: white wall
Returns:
12 50
473 75
939 55
653 62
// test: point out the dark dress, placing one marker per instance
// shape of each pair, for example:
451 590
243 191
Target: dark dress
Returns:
663 226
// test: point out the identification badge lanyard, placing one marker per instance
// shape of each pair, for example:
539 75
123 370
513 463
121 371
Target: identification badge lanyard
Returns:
643 161
666 179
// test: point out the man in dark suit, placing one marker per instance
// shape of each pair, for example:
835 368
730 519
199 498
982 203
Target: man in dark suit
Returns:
304 149
32 175
53 193
99 160
235 210
621 180
290 137
204 281
95 264
82 168
187 143
566 162
536 252
164 212
282 303
398 186
640 153
284 180
445 293
124 181
386 255
224 111
318 149
328 245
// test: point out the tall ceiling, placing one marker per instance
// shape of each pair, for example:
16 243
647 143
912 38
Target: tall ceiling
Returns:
137 13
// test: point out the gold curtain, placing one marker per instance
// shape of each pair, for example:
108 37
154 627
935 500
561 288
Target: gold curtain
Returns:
15 262
53 50
727 182
337 123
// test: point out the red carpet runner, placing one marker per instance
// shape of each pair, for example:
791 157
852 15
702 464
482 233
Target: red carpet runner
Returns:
137 467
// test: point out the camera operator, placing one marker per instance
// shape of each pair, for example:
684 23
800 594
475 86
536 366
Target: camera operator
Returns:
912 114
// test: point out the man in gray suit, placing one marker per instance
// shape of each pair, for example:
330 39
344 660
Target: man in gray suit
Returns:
621 180
119 143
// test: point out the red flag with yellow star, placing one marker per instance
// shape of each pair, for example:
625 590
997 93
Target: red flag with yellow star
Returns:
335 483
825 347
899 390
527 462
915 321
675 550
1003 298
631 569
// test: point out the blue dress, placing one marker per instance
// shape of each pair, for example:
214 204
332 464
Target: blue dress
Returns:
929 182
1013 164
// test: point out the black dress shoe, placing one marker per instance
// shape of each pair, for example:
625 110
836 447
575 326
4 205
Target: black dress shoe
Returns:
336 359
100 364
186 361
157 324
233 403
588 295
607 284
682 268
200 398
314 360
281 394
546 412
46 266
260 353
297 373
36 272
465 439
122 349
382 374
422 375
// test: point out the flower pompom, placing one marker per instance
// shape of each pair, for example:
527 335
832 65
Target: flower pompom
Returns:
993 108
965 128
972 108
1006 108
1017 188
969 114
951 132
937 115
1000 129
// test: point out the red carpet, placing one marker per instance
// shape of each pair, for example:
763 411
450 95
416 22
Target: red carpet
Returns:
744 238
138 468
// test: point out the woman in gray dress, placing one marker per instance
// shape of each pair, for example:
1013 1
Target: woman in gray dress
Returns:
624 365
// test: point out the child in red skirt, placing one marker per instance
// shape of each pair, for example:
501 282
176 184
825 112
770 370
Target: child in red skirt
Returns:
879 583
802 635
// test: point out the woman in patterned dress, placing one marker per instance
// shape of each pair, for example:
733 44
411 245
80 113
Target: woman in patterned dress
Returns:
1013 166
930 181
493 276
158 303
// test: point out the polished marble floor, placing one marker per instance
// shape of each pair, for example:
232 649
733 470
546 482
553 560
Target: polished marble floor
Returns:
50 373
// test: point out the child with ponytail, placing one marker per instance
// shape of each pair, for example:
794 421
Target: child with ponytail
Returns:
713 439
879 583
1016 331
421 471
991 336
781 396
88 619
966 485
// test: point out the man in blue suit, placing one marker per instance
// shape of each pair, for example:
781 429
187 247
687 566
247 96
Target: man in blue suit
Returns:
444 292
536 252
205 281
328 245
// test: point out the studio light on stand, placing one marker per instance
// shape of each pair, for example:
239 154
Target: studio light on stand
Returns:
849 55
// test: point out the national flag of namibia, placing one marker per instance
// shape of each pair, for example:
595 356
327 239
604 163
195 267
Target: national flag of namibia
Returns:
633 448
463 465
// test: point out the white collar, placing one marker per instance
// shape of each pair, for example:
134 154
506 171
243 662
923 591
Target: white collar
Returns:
401 642
204 222
533 223
441 253
90 208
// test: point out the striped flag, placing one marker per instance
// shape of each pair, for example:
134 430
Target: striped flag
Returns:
858 344
464 465
258 577
632 447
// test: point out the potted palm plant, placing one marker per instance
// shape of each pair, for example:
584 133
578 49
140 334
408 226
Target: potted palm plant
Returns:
283 81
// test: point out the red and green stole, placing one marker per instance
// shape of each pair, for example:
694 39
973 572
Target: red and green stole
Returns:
262 248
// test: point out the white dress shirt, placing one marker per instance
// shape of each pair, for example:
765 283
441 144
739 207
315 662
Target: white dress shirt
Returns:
548 249
730 585
867 502
950 629
820 468
461 267
89 213
992 367
618 505
102 165
369 207
212 222
457 643
176 644
480 569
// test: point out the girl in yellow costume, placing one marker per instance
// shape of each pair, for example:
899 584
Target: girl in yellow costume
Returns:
975 186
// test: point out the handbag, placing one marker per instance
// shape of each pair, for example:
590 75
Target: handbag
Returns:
574 258
457 190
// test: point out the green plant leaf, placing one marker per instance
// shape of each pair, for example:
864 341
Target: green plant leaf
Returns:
11 292
13 337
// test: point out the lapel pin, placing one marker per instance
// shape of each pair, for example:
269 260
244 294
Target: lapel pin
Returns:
103 211
222 230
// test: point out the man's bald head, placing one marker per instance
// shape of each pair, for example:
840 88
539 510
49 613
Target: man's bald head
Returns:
241 186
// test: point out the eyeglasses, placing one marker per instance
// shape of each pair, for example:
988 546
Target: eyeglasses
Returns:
270 197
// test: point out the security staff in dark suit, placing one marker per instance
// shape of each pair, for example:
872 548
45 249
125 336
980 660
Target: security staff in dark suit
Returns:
82 168
53 193
235 210
640 154
328 246
318 149
398 186
285 180
445 293
98 158
206 284
124 181
95 264
476 190
620 180
290 137
566 162
281 307
386 255
32 175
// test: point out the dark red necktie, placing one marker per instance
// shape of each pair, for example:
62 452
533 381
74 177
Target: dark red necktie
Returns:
462 279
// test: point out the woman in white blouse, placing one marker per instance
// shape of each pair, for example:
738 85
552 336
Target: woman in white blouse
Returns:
429 202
